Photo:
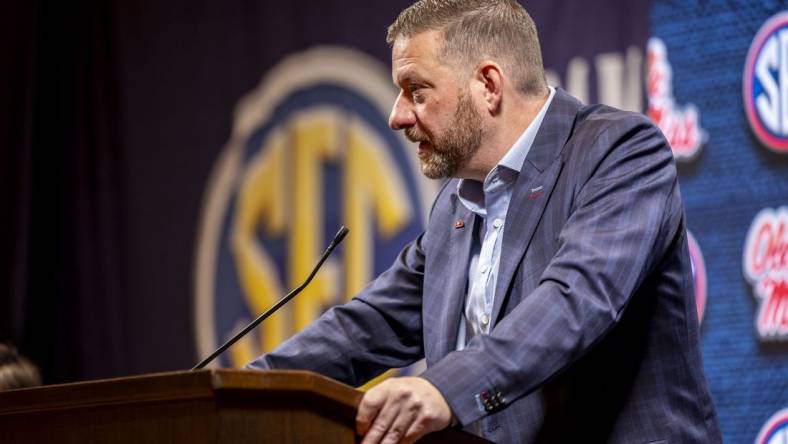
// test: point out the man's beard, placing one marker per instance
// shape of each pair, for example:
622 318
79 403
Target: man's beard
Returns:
451 151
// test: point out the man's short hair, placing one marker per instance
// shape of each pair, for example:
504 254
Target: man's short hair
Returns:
474 30
16 371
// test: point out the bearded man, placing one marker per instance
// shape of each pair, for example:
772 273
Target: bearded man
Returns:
551 292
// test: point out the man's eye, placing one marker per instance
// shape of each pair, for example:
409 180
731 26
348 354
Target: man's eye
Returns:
417 93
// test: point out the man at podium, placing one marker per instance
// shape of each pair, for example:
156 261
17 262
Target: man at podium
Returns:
551 292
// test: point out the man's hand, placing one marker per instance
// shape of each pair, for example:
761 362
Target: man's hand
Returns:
401 410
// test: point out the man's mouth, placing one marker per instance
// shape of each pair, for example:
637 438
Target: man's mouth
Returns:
424 148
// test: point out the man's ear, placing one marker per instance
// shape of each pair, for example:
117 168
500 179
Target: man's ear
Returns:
490 78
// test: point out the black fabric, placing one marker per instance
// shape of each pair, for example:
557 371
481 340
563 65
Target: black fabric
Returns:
61 250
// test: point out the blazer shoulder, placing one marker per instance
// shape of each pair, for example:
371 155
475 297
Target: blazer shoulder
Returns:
594 120
600 129
608 142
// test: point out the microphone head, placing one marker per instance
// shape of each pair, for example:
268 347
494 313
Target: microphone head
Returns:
341 234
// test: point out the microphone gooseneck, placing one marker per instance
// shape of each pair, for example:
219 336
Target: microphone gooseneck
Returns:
343 231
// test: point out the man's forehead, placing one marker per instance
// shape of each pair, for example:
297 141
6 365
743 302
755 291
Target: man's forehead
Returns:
425 43
409 54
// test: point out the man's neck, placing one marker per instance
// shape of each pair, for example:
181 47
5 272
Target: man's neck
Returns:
514 118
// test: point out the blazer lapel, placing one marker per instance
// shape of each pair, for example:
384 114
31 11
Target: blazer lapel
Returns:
533 187
455 277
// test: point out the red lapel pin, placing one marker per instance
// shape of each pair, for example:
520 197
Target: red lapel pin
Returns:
459 223
535 193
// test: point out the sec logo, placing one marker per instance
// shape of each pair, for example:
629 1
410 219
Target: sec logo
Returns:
775 431
310 150
766 84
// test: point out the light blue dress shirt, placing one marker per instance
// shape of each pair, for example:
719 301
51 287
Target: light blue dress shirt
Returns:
490 201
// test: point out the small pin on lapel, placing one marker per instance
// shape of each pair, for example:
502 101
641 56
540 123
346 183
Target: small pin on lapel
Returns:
535 193
459 223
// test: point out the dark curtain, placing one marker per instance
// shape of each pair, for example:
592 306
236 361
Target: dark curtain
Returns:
61 255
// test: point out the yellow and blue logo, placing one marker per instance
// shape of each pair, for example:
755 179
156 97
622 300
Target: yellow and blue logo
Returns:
310 150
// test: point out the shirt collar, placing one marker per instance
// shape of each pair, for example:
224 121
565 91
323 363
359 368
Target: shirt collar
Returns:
471 192
514 158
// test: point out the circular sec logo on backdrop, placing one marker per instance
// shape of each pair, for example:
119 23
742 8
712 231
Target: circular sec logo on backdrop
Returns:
765 84
310 151
775 431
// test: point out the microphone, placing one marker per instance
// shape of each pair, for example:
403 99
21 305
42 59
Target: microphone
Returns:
337 239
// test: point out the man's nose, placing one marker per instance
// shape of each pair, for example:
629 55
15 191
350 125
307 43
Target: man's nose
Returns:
402 115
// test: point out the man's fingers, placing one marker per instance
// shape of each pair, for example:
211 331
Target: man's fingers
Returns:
370 405
423 423
382 422
401 410
401 424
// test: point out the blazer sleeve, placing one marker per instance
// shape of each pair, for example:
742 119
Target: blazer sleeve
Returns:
377 330
613 238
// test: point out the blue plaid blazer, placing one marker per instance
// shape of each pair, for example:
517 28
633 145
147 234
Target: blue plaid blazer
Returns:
595 333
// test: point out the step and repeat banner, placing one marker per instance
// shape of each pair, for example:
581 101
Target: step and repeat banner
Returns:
309 150
717 83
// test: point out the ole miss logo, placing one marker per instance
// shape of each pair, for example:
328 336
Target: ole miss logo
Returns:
766 84
766 268
679 123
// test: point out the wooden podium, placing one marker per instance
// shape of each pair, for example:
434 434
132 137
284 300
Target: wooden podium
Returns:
207 406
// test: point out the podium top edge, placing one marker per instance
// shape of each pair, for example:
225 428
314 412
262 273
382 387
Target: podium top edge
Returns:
175 386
